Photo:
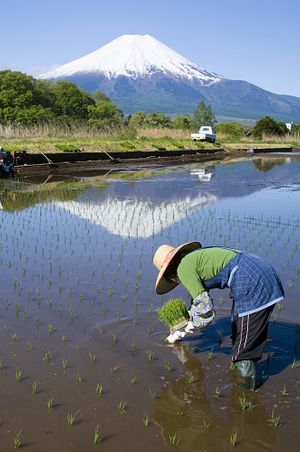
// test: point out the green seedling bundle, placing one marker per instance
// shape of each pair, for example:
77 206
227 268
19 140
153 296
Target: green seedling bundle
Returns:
174 313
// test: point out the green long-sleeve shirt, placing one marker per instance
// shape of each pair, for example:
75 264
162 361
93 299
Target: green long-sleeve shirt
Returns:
201 265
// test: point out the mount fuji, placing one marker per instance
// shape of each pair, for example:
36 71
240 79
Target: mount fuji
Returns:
139 73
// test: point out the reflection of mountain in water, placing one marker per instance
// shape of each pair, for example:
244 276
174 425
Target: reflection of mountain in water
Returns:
134 217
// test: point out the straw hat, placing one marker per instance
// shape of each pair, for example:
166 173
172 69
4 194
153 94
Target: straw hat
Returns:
162 259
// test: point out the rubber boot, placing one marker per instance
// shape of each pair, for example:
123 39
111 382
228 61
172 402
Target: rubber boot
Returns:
247 370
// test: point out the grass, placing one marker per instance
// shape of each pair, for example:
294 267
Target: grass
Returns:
48 138
173 312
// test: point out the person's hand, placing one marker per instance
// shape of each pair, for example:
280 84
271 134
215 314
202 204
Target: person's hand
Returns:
202 311
176 336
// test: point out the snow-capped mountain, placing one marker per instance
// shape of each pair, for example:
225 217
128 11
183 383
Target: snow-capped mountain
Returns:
139 73
135 56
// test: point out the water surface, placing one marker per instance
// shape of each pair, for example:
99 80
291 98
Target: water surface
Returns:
78 282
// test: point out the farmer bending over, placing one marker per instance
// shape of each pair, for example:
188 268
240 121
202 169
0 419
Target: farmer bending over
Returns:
254 288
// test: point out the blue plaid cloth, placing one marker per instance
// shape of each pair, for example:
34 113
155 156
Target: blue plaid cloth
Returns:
254 284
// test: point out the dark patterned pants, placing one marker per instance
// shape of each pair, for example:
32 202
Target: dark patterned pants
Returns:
249 335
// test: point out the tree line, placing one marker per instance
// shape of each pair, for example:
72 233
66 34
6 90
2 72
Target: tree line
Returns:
25 100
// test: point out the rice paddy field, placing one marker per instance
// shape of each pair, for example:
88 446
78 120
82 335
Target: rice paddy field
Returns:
83 361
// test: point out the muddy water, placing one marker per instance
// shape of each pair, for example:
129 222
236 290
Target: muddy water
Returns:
78 310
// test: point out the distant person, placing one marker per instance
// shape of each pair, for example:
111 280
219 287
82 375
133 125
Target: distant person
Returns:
6 163
254 288
2 152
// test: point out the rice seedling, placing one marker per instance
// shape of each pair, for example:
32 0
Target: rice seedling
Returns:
284 391
114 338
26 314
190 377
149 330
217 393
92 356
231 366
246 404
173 313
1 364
294 364
122 407
279 307
50 330
97 435
150 355
78 378
174 440
133 346
18 440
274 419
152 394
146 420
64 338
48 356
233 440
71 418
15 337
220 333
50 404
133 380
34 388
99 390
210 355
19 375
65 363
169 366
205 424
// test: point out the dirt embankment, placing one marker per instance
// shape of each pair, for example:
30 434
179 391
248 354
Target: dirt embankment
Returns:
72 162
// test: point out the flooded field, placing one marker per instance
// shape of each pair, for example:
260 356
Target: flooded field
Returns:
83 362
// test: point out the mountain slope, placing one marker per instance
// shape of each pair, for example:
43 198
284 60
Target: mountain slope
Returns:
140 73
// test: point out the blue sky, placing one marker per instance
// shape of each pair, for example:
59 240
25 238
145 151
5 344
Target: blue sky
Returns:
257 41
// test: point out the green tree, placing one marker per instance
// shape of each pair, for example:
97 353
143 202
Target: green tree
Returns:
159 121
23 99
183 122
269 126
138 120
105 114
203 115
230 130
71 101
25 116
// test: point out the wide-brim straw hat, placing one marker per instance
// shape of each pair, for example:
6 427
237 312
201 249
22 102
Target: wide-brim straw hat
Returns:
162 260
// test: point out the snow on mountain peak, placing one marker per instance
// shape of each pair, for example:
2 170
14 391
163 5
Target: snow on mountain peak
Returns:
134 56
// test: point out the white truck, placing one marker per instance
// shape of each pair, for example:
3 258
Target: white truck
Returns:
205 134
